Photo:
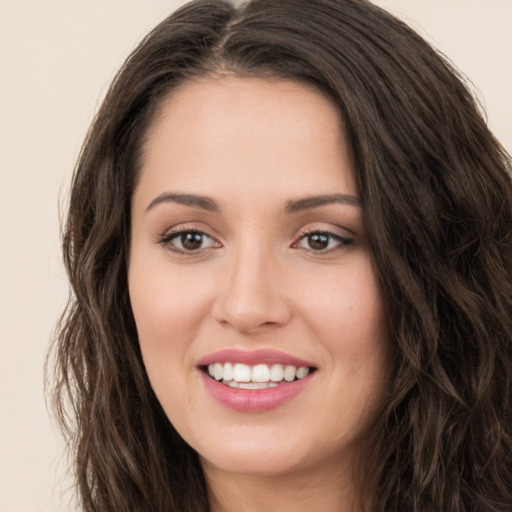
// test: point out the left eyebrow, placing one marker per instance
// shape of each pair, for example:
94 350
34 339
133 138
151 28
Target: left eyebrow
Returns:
194 201
316 201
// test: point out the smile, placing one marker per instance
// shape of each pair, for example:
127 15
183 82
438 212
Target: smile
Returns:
254 380
260 376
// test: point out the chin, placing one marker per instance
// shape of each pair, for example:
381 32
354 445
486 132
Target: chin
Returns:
261 453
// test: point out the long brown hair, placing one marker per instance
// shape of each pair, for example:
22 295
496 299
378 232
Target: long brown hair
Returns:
438 208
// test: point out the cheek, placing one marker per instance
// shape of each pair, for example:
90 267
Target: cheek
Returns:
348 309
160 296
168 307
347 315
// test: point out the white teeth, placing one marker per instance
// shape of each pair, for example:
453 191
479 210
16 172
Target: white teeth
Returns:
276 373
289 373
228 371
302 372
253 385
260 373
242 373
218 371
239 373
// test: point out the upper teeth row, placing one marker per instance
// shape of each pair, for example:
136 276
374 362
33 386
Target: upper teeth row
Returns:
259 373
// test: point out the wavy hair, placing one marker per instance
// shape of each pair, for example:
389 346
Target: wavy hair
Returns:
438 209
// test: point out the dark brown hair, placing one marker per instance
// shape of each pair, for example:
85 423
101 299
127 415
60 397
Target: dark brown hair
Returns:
438 208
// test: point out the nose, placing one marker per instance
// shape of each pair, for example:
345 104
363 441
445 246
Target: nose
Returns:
250 297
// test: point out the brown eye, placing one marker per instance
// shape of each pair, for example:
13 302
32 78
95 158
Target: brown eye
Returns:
322 241
192 240
187 241
318 241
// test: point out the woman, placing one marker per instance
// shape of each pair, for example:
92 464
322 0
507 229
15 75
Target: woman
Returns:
289 242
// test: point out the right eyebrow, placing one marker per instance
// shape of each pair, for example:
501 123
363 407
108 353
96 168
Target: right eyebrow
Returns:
310 202
192 200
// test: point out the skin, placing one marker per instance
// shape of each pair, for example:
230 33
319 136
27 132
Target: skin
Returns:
252 146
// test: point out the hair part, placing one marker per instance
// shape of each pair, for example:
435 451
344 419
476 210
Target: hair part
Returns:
438 208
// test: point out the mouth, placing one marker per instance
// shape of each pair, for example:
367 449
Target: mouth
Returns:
258 376
254 381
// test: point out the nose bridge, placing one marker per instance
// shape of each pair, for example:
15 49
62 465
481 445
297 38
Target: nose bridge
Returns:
249 297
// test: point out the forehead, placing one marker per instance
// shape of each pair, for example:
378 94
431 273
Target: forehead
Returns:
216 96
217 131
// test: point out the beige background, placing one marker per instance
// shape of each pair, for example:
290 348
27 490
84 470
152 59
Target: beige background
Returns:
56 59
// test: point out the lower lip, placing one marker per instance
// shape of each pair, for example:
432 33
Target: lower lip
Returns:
254 400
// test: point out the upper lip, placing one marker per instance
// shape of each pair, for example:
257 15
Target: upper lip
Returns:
253 357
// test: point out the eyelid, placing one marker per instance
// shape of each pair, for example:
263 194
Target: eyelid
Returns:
306 231
165 238
325 227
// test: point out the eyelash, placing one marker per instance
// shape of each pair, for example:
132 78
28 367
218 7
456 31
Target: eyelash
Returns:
166 240
342 241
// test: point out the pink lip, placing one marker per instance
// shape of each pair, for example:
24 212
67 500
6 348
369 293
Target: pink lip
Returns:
254 400
252 357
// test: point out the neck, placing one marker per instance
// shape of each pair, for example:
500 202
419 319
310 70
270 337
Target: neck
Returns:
324 490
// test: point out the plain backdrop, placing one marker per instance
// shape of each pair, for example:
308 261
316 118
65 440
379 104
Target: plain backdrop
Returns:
56 60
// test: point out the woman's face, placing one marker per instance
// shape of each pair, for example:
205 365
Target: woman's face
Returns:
249 259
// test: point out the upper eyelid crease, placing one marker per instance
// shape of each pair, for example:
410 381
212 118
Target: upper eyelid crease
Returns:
173 233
